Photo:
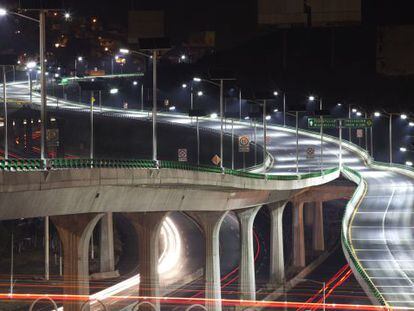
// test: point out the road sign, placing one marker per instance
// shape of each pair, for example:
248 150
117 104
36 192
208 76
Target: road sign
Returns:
52 137
244 143
310 153
356 123
315 123
216 160
182 155
360 133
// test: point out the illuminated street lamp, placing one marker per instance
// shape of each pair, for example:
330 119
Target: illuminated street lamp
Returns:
184 86
403 149
113 91
377 114
403 116
3 12
200 93
67 15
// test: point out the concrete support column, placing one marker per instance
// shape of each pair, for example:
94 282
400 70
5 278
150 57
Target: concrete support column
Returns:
277 261
317 232
148 227
75 233
298 235
308 211
210 222
107 257
247 279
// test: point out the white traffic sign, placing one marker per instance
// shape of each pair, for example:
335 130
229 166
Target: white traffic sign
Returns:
182 155
310 153
360 133
244 143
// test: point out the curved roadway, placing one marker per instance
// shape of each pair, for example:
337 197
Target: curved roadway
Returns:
382 227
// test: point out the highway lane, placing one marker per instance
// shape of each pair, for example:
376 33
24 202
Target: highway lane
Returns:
382 228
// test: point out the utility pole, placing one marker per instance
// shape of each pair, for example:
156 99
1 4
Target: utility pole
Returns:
42 22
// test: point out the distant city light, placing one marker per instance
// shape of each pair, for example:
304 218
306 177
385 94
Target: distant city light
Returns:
403 116
275 110
114 91
354 110
80 58
135 83
339 104
409 163
403 149
214 115
94 20
183 57
268 117
67 15
106 49
124 51
275 93
57 75
200 93
172 108
57 44
359 113
196 79
411 124
3 12
311 98
247 118
31 65
377 114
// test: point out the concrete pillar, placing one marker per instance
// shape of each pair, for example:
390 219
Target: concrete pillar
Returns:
277 261
148 227
298 235
210 222
75 233
106 248
309 213
247 279
318 237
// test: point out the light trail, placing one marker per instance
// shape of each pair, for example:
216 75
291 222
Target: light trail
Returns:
190 301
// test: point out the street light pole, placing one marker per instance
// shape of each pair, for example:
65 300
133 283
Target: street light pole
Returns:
154 105
240 105
340 144
264 131
6 123
142 96
390 138
42 22
297 142
91 154
221 125
349 130
284 108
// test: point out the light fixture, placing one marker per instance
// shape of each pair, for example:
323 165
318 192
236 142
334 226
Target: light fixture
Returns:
411 124
3 12
275 93
377 114
359 113
67 15
124 51
276 110
172 108
268 117
113 91
214 115
409 163
80 58
339 104
196 79
403 149
183 57
135 83
311 98
184 85
354 110
200 93
403 116
247 118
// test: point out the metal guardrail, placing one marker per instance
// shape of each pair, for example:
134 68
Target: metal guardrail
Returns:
56 164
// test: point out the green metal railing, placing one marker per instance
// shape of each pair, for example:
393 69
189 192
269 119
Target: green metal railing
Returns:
56 164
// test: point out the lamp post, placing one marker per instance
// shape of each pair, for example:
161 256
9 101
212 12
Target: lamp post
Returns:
77 59
154 96
220 85
313 98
